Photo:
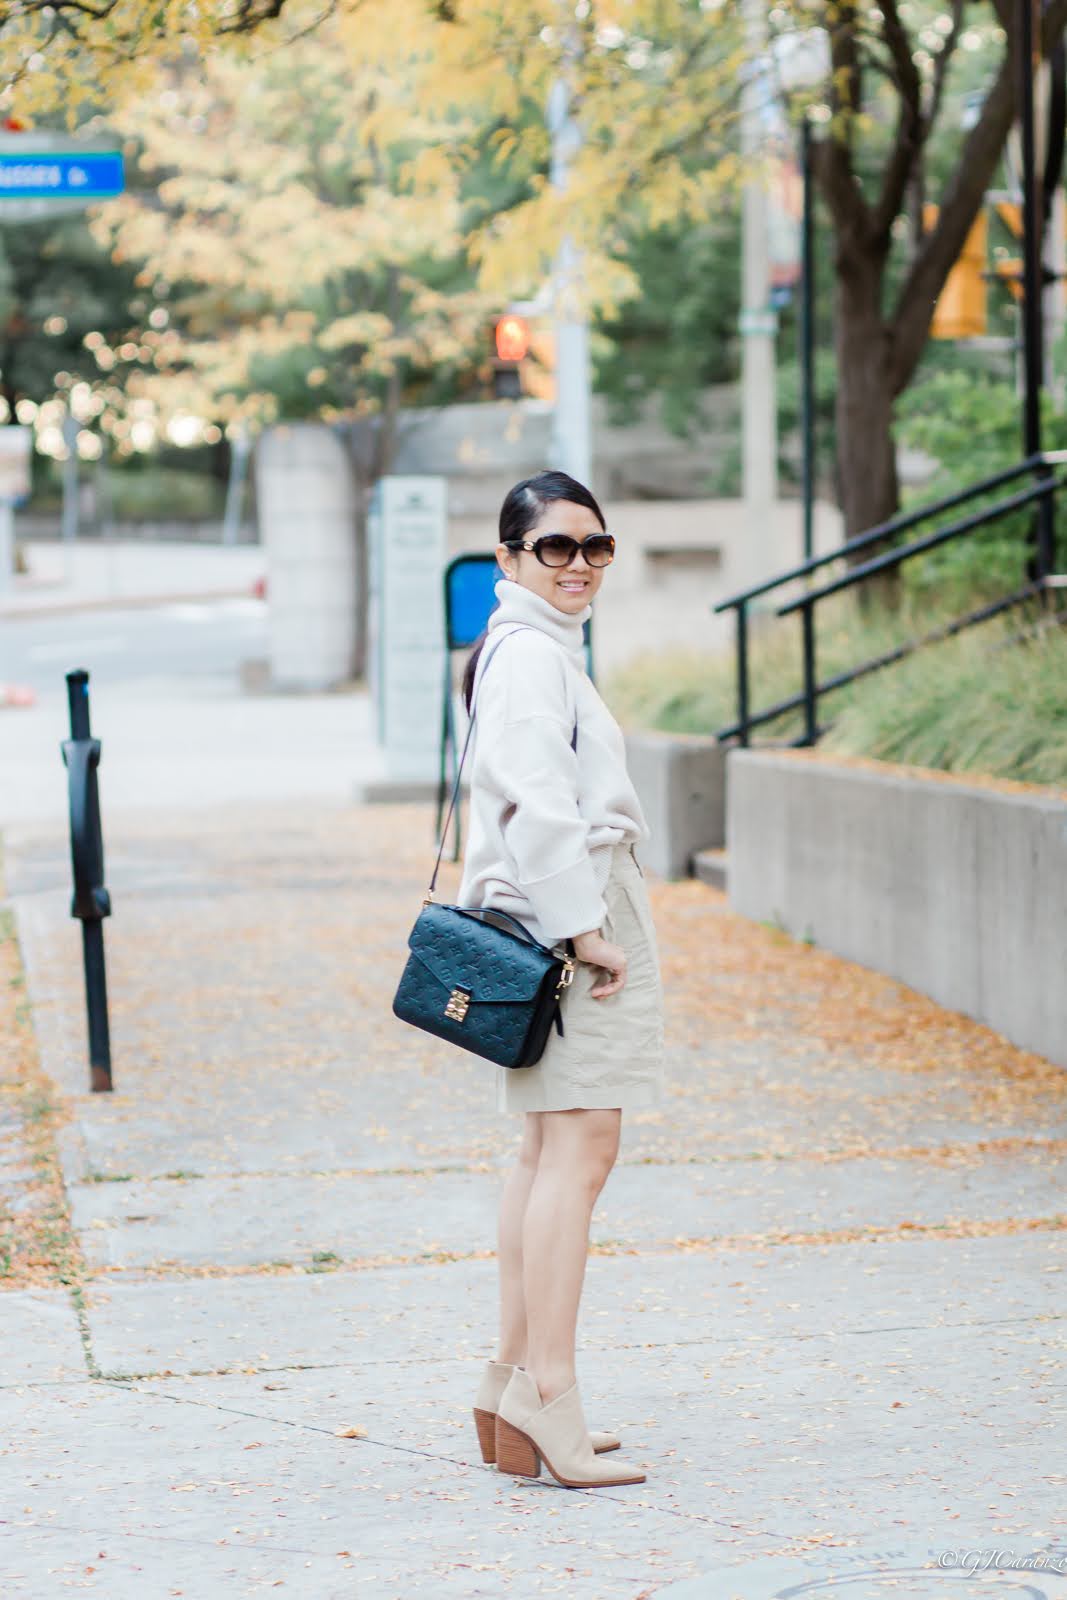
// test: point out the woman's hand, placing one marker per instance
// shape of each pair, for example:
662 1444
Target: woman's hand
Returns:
599 952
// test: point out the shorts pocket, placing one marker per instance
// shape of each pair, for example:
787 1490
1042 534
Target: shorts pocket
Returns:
638 907
645 942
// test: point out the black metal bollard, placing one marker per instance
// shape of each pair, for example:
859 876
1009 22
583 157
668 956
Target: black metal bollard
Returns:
91 901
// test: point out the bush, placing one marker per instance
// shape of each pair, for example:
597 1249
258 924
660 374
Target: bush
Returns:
164 494
981 702
971 425
696 691
978 703
151 493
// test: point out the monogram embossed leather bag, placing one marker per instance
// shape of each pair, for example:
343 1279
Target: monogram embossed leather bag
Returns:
475 976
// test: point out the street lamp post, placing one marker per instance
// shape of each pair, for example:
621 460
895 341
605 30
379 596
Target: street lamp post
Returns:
572 432
807 338
1032 353
1043 558
758 321
802 63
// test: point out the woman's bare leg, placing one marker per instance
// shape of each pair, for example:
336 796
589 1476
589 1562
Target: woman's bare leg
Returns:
578 1150
513 1199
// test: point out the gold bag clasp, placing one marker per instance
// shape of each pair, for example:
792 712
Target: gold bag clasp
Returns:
458 1001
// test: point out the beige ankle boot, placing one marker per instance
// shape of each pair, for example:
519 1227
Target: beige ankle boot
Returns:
528 1433
495 1380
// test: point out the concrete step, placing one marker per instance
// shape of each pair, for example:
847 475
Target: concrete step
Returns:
711 867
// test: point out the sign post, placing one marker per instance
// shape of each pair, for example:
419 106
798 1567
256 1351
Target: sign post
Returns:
16 445
408 542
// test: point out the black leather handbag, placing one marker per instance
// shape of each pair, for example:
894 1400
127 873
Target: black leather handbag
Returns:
475 976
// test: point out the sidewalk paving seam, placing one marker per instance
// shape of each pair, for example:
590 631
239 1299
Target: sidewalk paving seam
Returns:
157 1534
23 1385
972 1152
171 1269
748 1340
85 1332
427 1455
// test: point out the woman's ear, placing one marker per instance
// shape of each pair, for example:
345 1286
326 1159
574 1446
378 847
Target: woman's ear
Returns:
505 561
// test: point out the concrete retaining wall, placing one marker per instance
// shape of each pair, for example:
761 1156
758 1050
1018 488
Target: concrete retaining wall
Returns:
681 783
958 890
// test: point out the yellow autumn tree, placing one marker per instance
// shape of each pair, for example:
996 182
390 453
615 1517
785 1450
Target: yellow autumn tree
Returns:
655 86
299 230
68 57
328 204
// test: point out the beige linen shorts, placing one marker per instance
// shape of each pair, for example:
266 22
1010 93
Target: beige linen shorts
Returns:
611 1050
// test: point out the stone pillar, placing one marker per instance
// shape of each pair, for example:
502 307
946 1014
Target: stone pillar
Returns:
307 515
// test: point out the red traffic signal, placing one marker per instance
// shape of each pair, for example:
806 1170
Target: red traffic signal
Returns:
512 338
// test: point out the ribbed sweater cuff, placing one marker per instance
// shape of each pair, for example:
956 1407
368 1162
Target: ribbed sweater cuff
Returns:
600 856
569 901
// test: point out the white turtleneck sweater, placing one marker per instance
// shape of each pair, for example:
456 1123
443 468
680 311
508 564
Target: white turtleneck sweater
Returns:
543 816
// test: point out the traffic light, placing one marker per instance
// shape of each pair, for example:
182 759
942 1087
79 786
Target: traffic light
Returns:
511 337
1009 269
960 312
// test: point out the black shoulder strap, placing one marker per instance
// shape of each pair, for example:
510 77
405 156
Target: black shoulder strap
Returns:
483 669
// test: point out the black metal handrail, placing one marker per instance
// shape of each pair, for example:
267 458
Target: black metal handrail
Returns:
903 552
1038 494
884 530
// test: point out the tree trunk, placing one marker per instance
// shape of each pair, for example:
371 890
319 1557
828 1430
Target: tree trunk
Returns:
866 453
366 471
877 351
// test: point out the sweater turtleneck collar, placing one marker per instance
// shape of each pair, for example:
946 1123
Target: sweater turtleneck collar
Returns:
516 603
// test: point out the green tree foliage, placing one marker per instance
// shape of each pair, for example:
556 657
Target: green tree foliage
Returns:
678 334
56 286
970 424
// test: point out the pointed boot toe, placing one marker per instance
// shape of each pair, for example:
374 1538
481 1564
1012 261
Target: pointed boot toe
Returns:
529 1433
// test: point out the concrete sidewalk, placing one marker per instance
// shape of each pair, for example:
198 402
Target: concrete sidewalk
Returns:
99 574
821 1308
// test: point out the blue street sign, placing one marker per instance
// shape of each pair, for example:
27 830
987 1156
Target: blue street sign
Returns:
469 597
60 175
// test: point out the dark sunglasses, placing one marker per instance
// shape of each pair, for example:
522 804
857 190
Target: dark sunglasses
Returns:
559 549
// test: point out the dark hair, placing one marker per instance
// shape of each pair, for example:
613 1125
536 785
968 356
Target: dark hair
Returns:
520 512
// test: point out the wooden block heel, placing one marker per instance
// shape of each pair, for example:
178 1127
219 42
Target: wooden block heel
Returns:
485 1422
514 1451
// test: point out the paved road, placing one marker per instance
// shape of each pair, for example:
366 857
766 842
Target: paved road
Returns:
823 1306
180 639
189 741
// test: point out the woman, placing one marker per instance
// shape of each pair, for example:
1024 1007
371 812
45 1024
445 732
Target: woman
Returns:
553 823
